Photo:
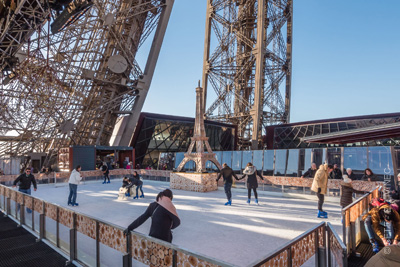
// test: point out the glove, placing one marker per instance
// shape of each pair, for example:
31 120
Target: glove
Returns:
319 189
126 232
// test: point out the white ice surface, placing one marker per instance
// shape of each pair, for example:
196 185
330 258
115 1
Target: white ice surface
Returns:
237 234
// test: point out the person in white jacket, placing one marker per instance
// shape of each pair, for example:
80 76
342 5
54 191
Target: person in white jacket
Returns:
74 180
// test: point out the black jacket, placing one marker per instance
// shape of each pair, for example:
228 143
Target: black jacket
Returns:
347 194
352 176
126 184
310 173
161 224
227 174
25 181
336 174
373 178
251 173
105 170
136 180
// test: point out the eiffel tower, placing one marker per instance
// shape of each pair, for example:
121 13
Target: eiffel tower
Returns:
199 139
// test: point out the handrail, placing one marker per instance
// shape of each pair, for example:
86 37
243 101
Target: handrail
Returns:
126 255
350 214
335 247
288 246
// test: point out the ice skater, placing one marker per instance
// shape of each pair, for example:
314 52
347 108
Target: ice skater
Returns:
138 183
163 217
319 185
127 184
227 173
251 172
106 173
73 182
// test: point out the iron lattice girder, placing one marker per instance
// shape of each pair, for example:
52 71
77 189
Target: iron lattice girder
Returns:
231 68
65 77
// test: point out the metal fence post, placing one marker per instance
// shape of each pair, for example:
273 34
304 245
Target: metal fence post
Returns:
97 244
174 258
72 240
316 248
329 248
8 207
41 224
289 253
22 213
127 257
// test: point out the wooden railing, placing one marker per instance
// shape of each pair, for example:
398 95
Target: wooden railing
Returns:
351 219
91 241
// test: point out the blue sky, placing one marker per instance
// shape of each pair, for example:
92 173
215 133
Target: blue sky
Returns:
346 59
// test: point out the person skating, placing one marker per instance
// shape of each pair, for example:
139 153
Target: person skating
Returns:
24 183
319 185
106 173
251 173
138 183
73 182
127 184
163 215
227 173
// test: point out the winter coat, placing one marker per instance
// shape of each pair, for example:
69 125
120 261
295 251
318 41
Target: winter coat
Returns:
321 179
310 173
105 170
352 176
336 174
75 177
251 173
227 174
376 219
136 180
372 177
163 220
384 259
347 194
25 181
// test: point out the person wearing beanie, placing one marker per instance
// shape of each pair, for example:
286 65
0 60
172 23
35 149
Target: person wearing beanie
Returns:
347 192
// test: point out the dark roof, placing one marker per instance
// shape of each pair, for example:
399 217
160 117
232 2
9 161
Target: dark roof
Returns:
357 135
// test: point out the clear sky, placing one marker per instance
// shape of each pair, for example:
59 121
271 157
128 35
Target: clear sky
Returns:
346 59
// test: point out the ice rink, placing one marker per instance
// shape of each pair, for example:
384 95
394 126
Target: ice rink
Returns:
237 234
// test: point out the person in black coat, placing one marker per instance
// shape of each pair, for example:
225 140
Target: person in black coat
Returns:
106 172
138 183
369 176
347 192
227 173
336 173
251 172
25 180
350 174
126 183
163 217
311 171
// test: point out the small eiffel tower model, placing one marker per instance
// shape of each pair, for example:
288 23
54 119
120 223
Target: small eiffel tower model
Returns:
199 139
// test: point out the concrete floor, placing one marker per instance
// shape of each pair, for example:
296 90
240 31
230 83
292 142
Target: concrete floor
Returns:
237 234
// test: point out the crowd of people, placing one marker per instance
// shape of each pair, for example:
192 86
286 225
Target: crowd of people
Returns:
382 222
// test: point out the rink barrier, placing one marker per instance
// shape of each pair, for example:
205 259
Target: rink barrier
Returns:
321 242
352 216
90 241
285 184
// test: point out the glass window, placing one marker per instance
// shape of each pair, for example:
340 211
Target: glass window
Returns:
318 156
247 156
305 159
218 156
227 158
334 156
236 160
178 158
380 159
280 162
268 165
293 163
355 158
258 159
